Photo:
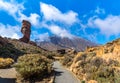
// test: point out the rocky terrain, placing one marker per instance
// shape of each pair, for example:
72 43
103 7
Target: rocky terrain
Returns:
56 43
99 64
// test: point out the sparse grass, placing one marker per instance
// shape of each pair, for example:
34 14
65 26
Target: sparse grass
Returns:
92 67
14 48
67 60
101 65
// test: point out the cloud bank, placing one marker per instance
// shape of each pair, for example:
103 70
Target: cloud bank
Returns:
15 10
9 31
12 8
108 26
51 13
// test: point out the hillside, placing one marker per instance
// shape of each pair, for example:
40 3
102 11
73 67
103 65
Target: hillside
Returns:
100 64
30 62
57 43
12 48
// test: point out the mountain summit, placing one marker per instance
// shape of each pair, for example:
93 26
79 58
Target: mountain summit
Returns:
56 43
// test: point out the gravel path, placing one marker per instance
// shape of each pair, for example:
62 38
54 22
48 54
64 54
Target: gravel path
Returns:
7 75
62 75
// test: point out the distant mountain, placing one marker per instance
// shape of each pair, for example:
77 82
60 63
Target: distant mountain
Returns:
56 43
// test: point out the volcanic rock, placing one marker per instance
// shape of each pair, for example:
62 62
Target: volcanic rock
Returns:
26 31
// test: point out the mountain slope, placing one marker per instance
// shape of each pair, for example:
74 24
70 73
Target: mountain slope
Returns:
100 63
30 61
12 48
57 43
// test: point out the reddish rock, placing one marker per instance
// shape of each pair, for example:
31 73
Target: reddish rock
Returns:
26 30
32 43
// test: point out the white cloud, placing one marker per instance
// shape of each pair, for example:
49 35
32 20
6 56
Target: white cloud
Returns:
15 10
57 30
9 31
33 18
44 37
11 7
51 13
99 10
108 26
15 36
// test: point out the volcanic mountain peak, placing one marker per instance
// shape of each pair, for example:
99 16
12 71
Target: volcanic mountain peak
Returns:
57 43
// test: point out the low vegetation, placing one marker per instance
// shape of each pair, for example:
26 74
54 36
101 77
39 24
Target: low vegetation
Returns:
33 66
91 67
14 48
68 57
31 62
67 60
6 62
100 64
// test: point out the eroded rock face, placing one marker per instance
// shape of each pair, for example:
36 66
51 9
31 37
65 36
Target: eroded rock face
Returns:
26 30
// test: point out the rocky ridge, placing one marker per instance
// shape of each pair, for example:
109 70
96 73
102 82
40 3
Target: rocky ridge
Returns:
57 43
100 64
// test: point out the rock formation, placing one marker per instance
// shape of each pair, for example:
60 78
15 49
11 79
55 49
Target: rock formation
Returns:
26 30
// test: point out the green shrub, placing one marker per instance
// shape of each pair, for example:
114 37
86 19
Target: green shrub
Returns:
32 66
9 51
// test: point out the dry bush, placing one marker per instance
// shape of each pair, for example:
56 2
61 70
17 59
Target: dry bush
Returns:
32 66
92 67
6 62
67 60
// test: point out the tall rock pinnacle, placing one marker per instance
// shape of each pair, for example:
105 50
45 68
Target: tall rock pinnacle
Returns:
26 30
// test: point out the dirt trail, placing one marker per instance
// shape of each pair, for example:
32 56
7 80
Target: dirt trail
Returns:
7 75
62 75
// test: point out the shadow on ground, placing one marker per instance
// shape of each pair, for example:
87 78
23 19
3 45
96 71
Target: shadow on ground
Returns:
7 80
58 73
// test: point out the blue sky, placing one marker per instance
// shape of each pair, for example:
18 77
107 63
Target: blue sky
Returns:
98 21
